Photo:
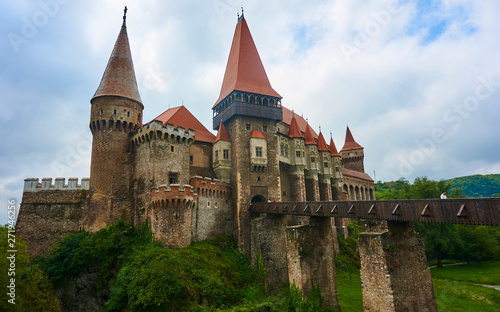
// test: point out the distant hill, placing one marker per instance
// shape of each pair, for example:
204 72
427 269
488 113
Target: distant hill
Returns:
478 185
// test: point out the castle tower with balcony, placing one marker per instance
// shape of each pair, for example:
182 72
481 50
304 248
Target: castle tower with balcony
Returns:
249 108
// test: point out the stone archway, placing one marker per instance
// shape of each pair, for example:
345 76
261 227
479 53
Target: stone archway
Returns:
258 199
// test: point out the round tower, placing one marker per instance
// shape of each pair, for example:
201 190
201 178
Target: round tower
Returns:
116 110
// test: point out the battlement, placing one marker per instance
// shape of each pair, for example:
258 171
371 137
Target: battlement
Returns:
156 130
207 187
173 195
32 184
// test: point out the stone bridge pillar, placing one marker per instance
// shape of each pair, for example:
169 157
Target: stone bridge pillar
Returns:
394 272
268 247
311 259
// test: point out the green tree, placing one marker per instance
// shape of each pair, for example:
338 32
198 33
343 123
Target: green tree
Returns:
33 290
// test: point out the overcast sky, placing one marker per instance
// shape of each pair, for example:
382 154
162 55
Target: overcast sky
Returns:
418 82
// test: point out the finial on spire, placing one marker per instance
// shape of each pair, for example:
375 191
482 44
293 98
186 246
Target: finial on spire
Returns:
331 136
320 128
125 14
242 14
293 113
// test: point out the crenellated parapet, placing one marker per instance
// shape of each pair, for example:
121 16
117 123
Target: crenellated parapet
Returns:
156 130
207 187
33 184
173 196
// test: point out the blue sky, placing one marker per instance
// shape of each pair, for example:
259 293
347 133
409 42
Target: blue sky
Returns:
418 82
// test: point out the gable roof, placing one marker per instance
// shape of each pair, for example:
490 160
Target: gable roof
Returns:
119 76
256 134
181 116
222 134
350 144
244 69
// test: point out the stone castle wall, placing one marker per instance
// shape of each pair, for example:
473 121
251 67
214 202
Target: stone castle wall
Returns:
212 215
50 212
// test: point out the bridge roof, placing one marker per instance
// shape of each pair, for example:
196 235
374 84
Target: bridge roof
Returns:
356 174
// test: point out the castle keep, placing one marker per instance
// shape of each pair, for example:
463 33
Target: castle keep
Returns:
187 183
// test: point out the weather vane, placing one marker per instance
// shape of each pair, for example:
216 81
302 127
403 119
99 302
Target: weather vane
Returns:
125 13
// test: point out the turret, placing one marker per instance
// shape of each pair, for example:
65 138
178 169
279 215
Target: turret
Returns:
116 110
336 161
352 153
312 169
221 154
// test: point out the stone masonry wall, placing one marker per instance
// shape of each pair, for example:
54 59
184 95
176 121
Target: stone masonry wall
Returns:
394 271
311 259
171 214
269 249
47 216
212 215
243 180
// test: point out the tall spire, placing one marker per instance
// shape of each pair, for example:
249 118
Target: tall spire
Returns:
119 76
350 144
244 70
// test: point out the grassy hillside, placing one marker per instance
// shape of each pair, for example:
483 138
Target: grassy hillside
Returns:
478 185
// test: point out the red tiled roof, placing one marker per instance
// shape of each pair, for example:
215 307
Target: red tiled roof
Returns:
356 174
222 134
180 116
294 131
244 70
350 144
119 76
333 149
309 135
322 147
301 122
257 134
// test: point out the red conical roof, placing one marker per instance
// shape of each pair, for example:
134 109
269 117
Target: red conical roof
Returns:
119 77
350 144
322 147
333 149
301 122
222 134
309 135
181 116
244 70
294 131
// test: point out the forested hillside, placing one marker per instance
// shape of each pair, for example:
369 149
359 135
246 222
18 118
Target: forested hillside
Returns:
478 185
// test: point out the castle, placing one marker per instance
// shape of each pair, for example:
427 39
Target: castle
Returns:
173 173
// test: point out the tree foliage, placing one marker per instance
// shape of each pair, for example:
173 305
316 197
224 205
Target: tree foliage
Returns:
460 242
33 289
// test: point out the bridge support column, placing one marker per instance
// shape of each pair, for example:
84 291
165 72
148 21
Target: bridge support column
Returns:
311 259
269 248
394 272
